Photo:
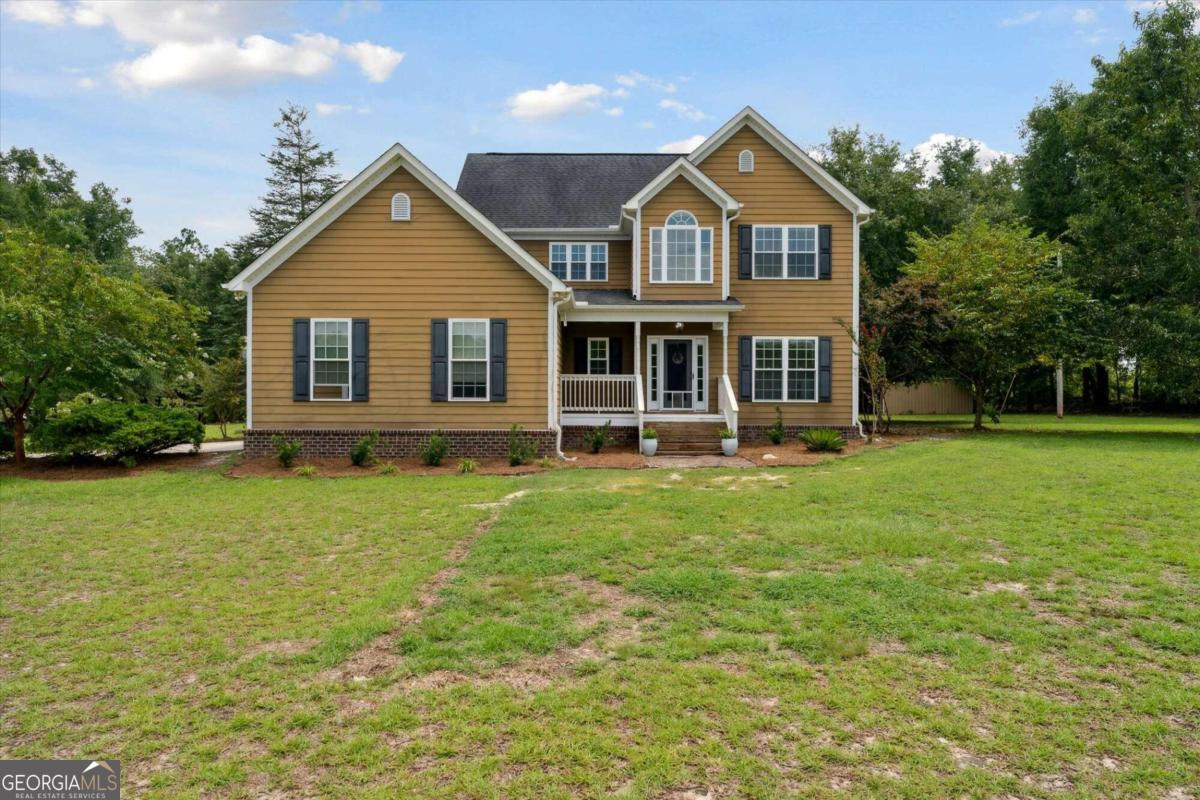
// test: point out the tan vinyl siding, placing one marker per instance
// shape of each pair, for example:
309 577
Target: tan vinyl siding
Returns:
680 194
777 192
400 275
619 271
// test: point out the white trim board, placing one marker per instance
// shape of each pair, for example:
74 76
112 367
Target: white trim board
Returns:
393 158
748 117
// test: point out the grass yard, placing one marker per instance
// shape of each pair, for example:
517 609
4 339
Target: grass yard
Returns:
1048 423
968 616
212 432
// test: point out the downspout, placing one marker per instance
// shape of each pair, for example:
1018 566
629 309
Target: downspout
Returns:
552 367
635 271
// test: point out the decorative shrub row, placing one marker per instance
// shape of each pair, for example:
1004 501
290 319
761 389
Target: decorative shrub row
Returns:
112 429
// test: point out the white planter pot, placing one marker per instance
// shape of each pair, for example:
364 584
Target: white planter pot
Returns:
729 447
649 446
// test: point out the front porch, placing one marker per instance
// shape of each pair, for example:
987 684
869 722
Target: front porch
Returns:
637 373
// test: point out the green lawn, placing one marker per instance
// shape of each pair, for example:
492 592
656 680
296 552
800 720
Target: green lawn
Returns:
975 616
212 432
1048 423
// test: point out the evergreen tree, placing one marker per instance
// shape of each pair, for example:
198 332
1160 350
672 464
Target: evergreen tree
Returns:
303 176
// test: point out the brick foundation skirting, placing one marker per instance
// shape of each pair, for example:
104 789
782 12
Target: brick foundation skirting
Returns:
397 443
573 436
758 433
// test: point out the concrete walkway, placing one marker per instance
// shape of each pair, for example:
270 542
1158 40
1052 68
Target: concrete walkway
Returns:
208 447
693 462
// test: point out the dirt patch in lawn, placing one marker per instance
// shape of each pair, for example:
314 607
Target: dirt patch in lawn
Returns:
608 458
267 467
794 454
45 468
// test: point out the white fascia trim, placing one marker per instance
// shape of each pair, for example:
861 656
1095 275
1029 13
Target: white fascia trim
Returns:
586 313
249 358
393 158
681 167
611 234
790 150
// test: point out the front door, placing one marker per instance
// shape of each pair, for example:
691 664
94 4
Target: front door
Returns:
678 382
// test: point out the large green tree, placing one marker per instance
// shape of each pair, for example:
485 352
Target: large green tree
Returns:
38 192
68 327
1003 299
302 177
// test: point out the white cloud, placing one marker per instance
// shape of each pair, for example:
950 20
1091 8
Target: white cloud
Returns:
646 124
1020 19
329 109
224 62
683 110
45 12
86 83
375 60
555 100
615 111
1084 16
213 43
620 91
683 145
634 79
928 150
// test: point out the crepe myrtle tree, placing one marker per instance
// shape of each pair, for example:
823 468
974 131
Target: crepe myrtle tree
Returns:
70 328
1005 302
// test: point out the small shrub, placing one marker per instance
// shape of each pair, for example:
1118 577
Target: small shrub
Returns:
307 471
467 465
362 454
649 433
546 462
434 449
728 433
822 440
388 469
520 449
286 450
88 425
597 437
776 433
128 462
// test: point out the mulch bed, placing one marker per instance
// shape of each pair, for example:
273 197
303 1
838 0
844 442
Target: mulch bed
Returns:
794 454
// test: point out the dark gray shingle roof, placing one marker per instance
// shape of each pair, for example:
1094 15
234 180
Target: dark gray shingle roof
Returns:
556 190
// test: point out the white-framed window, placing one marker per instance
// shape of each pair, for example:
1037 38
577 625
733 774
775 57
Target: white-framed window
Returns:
469 359
330 369
746 161
785 369
597 350
401 207
681 251
579 261
785 251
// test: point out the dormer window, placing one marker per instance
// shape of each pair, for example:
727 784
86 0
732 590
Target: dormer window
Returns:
746 161
401 207
681 251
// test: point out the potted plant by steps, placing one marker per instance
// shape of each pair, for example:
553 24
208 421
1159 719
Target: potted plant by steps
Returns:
649 441
729 441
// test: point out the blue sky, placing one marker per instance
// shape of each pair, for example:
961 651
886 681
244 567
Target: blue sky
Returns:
173 103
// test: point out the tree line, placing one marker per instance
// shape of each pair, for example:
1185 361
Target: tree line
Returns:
1083 251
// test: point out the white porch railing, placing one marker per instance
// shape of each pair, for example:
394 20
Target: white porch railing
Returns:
727 402
598 394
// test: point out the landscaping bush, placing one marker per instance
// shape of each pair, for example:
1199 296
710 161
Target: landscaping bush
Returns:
119 431
649 433
467 466
362 454
285 450
546 462
728 433
776 433
520 449
388 469
597 437
434 449
822 440
307 471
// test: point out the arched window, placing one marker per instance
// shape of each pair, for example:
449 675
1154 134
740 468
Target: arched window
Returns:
681 218
746 161
681 251
401 207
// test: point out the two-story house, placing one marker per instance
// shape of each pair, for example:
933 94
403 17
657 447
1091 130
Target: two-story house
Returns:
557 292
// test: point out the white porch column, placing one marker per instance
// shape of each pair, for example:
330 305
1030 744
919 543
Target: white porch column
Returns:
725 348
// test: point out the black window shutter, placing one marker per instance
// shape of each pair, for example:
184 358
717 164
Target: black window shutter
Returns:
824 369
614 355
301 385
498 348
825 252
439 367
745 367
360 344
745 252
581 355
